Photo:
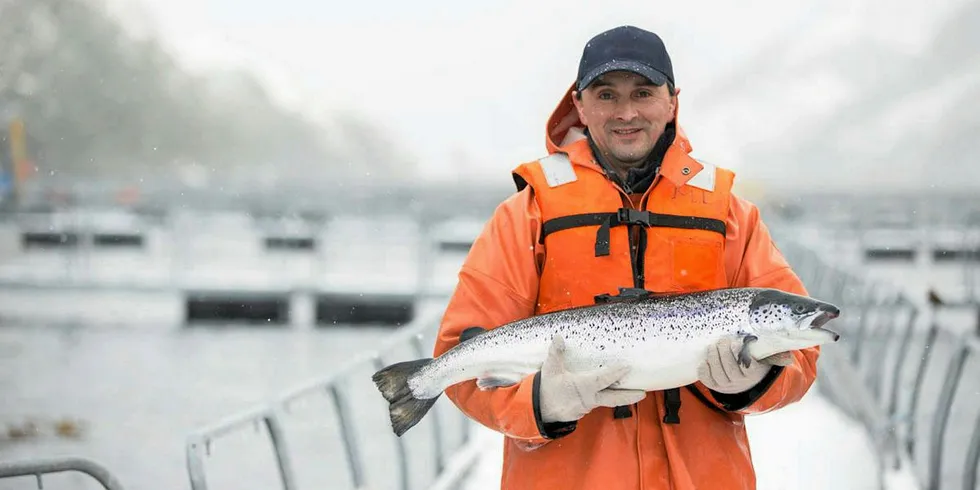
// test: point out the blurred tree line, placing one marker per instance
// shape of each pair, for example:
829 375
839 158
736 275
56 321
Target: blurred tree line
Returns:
96 101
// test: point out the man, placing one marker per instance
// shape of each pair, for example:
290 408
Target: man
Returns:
619 203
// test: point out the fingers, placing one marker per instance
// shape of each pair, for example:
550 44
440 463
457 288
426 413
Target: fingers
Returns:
719 368
603 378
554 364
704 374
730 345
557 348
615 398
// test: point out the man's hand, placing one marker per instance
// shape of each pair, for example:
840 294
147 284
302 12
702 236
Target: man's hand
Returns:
565 396
722 372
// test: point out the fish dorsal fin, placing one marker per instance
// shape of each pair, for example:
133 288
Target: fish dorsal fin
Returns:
470 332
631 294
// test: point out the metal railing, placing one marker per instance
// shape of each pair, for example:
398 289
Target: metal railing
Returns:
39 467
901 371
451 463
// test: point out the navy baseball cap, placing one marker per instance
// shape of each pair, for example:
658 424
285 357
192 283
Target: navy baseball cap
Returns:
625 48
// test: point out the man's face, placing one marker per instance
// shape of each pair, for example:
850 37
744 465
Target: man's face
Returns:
626 115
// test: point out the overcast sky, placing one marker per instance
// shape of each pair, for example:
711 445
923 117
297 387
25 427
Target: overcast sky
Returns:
473 82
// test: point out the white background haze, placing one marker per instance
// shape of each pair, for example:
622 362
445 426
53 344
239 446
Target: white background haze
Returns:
811 94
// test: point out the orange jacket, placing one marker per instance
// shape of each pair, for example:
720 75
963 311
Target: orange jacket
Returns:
510 273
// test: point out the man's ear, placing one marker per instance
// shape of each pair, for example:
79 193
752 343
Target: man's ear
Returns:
577 100
675 100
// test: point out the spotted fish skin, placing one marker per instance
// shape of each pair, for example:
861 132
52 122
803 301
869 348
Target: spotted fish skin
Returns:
662 338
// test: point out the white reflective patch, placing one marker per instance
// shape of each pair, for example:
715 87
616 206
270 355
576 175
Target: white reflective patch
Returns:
705 179
558 169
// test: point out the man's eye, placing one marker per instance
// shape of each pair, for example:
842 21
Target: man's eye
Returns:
644 93
606 96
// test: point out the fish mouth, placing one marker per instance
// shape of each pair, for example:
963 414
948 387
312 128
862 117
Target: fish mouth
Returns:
824 316
834 334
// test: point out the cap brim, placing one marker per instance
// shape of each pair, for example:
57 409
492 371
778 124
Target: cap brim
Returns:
655 77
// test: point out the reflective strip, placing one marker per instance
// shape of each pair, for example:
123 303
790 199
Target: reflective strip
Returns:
705 179
558 169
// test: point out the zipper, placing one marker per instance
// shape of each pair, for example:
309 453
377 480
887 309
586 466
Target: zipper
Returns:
638 236
638 239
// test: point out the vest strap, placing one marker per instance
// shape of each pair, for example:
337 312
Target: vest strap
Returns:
672 406
628 217
622 412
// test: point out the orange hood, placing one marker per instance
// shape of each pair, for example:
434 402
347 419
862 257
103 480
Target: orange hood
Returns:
565 128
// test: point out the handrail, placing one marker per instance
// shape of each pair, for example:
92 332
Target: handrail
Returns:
894 428
920 374
973 451
331 385
39 467
939 424
903 350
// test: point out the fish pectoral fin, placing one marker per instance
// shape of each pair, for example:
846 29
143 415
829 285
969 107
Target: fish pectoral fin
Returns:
744 358
497 381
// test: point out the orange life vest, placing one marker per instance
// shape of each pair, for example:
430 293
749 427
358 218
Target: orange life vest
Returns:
585 231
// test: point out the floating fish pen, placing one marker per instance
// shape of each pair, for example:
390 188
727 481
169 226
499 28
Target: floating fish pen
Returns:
890 244
118 240
290 243
48 240
40 231
361 309
890 253
72 231
960 245
238 307
290 233
299 309
929 245
945 254
201 268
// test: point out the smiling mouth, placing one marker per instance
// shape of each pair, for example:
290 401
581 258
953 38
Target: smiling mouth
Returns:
625 132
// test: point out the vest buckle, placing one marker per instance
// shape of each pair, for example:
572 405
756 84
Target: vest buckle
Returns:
629 216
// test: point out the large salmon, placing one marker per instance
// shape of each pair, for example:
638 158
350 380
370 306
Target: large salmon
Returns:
662 337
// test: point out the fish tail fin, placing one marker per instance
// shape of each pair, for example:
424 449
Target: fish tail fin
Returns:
404 409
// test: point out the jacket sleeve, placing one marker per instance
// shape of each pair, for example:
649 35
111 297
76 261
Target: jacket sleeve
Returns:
497 284
754 261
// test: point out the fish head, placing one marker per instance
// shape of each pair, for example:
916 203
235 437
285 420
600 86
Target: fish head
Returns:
785 321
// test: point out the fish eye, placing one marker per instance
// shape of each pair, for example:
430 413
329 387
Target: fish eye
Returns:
799 308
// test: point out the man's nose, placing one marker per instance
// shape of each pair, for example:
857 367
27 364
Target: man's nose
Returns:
625 111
